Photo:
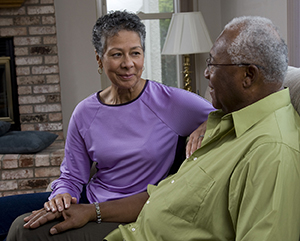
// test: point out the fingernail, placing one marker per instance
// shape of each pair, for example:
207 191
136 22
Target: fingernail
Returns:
53 231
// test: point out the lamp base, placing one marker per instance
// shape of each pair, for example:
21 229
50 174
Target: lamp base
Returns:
186 73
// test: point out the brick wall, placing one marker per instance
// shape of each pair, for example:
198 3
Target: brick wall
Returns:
28 173
33 29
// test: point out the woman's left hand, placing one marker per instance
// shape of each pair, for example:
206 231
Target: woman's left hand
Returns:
195 140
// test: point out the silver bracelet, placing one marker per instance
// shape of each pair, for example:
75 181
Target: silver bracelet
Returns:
98 212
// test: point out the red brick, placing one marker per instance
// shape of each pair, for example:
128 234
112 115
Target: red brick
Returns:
29 60
51 59
33 184
40 10
32 20
48 20
52 69
47 108
43 30
27 127
26 109
26 160
6 22
31 80
8 185
21 41
13 31
23 71
55 116
24 90
21 51
10 164
12 11
49 126
32 99
40 89
42 160
47 172
49 40
17 174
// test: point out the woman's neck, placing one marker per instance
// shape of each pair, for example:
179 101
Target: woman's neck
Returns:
115 96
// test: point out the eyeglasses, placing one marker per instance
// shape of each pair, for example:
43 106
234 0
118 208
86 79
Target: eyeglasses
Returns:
209 64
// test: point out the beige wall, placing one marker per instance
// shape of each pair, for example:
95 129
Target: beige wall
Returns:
276 10
78 68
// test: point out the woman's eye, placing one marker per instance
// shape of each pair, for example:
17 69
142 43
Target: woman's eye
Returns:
136 53
116 54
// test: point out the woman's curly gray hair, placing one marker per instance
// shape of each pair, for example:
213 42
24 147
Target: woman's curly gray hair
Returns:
260 43
110 24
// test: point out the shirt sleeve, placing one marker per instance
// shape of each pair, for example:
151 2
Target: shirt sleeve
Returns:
181 110
263 200
75 168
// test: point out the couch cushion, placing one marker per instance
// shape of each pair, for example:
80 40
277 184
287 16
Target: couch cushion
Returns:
292 80
25 142
4 127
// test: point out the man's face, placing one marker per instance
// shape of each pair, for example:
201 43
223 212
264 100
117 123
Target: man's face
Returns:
225 82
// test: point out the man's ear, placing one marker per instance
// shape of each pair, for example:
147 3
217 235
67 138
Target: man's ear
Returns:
98 60
250 75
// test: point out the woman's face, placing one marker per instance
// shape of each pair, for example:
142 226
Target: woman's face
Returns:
123 59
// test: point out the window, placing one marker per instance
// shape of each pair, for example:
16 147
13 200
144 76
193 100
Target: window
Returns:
156 15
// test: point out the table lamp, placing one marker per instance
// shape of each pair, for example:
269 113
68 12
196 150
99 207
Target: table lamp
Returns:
187 34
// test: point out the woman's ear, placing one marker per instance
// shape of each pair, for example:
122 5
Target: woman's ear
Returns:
250 75
98 60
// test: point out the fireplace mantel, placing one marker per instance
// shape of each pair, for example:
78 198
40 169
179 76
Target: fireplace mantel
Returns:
11 3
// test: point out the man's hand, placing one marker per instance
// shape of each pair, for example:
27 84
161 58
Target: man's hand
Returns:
195 140
76 216
60 202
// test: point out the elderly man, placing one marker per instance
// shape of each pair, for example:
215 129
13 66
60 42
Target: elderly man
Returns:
243 183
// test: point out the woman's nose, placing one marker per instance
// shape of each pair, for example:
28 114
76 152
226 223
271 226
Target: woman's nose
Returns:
127 62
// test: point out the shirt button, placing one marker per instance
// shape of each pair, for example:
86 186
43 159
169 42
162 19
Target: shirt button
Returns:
195 158
172 181
148 202
133 229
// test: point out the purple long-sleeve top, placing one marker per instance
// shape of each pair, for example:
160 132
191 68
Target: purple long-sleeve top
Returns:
133 144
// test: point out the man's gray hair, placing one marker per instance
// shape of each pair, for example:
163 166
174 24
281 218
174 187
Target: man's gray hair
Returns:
260 43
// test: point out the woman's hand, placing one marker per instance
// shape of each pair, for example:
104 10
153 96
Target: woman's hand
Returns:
195 140
76 216
60 202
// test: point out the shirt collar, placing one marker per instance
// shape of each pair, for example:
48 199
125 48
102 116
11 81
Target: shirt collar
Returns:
245 118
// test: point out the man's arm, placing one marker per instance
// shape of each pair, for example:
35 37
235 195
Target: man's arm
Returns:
263 194
122 210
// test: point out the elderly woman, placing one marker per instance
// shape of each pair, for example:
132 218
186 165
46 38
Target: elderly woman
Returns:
131 130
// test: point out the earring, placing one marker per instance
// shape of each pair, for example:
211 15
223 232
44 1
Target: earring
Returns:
100 71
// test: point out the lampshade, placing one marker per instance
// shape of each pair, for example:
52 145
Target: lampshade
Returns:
187 34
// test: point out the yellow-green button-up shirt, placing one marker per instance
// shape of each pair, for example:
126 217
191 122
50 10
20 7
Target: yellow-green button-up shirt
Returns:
242 184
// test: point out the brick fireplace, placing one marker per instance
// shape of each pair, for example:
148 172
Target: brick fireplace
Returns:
33 29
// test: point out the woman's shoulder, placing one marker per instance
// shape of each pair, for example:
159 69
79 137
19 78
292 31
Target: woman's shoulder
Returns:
164 92
87 106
